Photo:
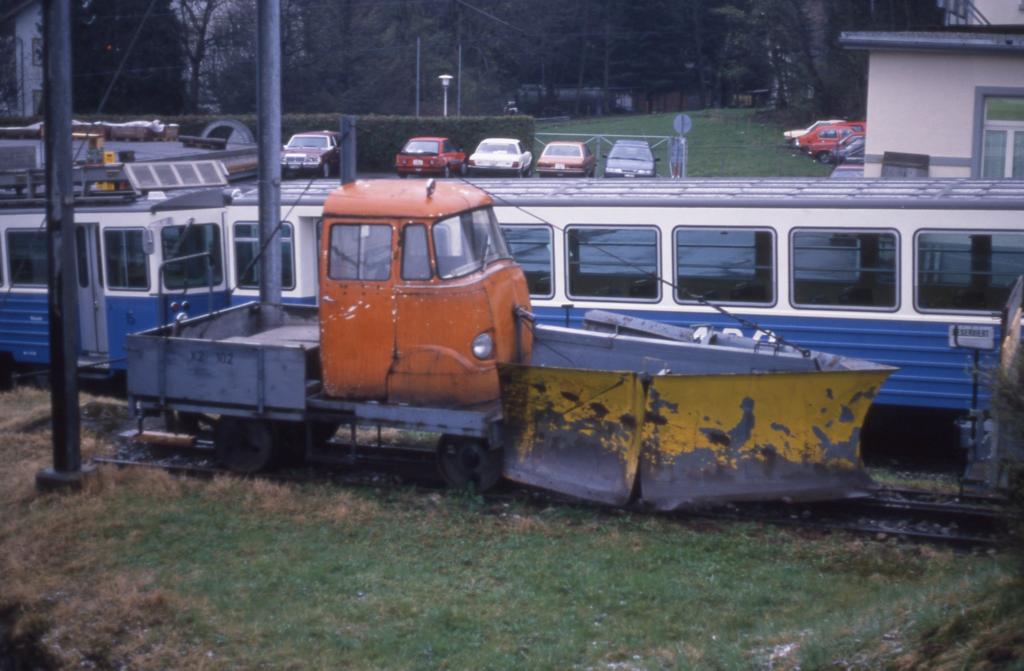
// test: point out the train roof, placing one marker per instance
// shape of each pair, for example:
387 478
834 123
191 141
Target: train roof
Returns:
186 199
970 194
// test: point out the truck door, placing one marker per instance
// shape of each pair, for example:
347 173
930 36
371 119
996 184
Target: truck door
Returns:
357 312
92 313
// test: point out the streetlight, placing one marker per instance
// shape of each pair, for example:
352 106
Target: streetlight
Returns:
446 80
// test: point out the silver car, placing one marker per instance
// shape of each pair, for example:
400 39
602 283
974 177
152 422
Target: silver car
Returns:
630 158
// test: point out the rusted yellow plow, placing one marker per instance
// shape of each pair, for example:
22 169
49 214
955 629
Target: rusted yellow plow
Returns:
606 416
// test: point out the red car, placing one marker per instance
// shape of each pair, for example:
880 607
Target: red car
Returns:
430 156
820 142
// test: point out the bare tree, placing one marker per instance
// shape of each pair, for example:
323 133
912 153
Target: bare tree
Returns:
197 17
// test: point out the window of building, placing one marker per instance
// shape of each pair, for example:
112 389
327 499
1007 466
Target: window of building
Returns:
360 252
179 241
126 262
613 262
531 247
247 246
26 256
725 265
1003 138
844 269
967 271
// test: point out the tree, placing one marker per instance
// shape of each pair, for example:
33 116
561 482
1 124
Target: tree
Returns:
197 36
131 48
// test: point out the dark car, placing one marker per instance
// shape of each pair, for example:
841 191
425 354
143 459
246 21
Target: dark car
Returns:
849 150
312 152
630 158
430 156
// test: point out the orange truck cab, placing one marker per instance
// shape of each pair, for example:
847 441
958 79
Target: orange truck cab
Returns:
419 296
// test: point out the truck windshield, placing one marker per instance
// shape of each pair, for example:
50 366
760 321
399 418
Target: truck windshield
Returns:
467 242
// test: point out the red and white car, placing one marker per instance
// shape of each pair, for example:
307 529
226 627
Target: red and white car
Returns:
430 156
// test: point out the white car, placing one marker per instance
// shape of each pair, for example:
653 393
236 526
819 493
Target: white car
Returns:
500 155
793 135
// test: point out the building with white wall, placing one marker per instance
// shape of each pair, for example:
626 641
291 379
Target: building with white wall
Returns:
952 101
22 21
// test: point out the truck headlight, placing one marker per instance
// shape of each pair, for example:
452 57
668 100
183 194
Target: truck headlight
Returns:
483 346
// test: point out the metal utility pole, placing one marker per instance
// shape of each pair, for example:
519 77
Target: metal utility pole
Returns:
458 86
417 76
347 172
269 123
60 233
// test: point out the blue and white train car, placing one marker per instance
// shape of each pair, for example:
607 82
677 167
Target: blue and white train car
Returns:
301 213
878 270
123 246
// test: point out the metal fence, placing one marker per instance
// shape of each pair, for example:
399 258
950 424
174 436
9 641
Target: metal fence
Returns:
706 160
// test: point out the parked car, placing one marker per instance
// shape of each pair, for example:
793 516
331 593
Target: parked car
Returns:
430 156
314 151
498 155
820 142
849 150
566 159
630 158
792 135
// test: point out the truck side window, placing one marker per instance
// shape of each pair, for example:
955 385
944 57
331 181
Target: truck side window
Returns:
415 254
360 252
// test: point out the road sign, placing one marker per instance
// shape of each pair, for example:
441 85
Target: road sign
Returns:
972 336
682 123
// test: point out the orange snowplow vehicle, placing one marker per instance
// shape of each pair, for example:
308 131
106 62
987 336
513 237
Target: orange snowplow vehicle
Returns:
436 295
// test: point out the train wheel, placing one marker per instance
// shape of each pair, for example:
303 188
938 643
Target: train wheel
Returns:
244 445
468 460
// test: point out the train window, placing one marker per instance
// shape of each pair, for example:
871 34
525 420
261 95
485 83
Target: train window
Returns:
967 271
415 253
247 245
360 252
126 262
467 242
179 241
844 269
26 256
531 247
82 259
725 265
613 262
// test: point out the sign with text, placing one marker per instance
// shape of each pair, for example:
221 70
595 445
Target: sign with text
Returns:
972 336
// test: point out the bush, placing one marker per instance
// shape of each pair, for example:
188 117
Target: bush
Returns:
378 138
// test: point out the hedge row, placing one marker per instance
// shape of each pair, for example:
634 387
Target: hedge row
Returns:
378 138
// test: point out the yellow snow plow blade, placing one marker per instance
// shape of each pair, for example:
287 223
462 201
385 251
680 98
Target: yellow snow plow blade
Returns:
736 437
685 418
572 431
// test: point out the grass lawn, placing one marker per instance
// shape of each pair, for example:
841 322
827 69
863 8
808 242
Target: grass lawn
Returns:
722 143
144 571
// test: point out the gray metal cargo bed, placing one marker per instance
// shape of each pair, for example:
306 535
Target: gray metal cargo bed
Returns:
252 358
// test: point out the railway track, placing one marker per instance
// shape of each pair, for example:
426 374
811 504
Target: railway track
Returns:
887 514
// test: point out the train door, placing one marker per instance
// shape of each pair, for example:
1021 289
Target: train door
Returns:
92 308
